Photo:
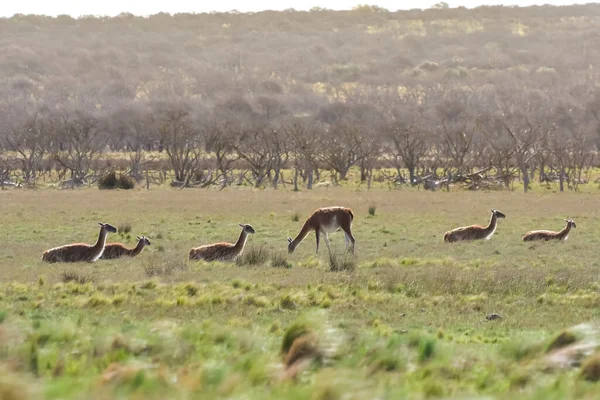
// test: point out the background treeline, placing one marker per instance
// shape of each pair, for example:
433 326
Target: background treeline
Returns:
483 96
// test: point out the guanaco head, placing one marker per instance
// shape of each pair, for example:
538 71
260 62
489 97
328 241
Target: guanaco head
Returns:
144 240
498 214
247 228
571 223
108 227
291 246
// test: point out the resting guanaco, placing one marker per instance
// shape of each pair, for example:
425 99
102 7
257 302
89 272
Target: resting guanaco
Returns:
550 235
117 250
222 251
474 232
80 252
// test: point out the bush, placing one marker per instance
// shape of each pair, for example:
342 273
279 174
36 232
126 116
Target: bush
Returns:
110 180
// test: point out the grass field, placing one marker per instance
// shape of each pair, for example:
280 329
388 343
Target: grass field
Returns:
407 319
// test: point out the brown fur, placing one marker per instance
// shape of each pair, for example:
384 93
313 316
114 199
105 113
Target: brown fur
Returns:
324 221
303 351
222 251
116 250
80 252
550 235
474 232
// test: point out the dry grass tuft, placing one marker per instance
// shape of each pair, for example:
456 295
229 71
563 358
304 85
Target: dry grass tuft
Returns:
77 277
344 262
255 255
156 267
279 260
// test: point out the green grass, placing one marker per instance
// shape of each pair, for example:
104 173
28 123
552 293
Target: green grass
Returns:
404 318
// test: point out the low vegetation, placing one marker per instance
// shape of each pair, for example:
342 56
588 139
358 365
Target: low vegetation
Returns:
405 315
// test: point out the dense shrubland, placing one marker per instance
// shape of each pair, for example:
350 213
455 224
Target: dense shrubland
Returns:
482 96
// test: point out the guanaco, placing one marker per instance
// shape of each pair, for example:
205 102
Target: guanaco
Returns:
550 235
474 232
117 250
222 251
80 252
324 221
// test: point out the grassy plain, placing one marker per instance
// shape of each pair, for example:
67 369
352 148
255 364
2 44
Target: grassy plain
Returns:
407 322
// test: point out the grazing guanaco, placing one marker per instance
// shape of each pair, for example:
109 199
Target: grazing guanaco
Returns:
550 235
222 251
80 252
474 232
116 250
324 221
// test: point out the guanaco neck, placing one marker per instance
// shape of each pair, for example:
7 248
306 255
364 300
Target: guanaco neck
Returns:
137 249
101 242
565 231
306 228
241 242
492 226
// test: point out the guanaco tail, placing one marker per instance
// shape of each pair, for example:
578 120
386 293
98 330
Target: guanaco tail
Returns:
324 221
550 235
222 251
80 252
474 232
117 250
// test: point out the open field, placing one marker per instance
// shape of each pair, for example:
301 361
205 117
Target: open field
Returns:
408 321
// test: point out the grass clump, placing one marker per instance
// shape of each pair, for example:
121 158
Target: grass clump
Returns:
191 289
97 301
590 370
124 228
287 303
111 181
427 348
279 260
563 339
72 276
155 267
341 263
254 256
519 350
295 217
372 210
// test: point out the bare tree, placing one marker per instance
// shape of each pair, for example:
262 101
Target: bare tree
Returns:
181 139
80 136
220 141
28 138
303 135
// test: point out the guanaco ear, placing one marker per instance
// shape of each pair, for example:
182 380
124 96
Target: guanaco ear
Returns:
100 223
241 225
138 238
290 240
